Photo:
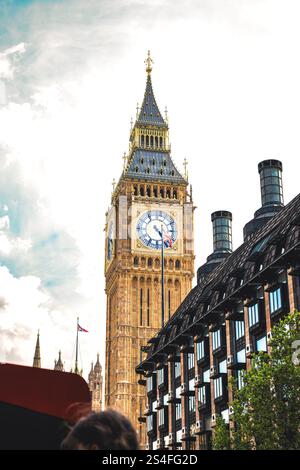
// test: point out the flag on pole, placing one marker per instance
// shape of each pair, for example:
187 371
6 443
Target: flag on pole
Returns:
79 328
166 237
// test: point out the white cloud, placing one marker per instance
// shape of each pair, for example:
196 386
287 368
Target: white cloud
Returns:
7 68
5 246
4 222
18 48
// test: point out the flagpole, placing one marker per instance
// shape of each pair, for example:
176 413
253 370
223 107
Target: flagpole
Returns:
162 280
76 358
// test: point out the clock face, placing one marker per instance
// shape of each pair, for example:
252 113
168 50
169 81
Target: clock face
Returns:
110 242
149 228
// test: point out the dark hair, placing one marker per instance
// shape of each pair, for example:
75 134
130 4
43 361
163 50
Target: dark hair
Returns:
107 430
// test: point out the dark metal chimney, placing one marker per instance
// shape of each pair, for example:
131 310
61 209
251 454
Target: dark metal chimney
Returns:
222 231
270 172
222 242
271 183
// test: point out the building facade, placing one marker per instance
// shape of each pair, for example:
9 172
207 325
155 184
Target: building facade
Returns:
150 197
226 318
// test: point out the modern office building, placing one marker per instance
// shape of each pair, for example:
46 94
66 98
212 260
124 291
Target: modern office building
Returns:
224 319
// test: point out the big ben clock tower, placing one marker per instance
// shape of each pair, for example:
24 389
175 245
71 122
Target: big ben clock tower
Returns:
151 195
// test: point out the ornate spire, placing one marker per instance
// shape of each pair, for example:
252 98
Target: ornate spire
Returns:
97 367
149 150
91 373
37 353
149 112
59 364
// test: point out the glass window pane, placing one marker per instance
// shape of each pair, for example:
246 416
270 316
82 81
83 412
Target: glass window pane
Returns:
241 356
223 367
261 344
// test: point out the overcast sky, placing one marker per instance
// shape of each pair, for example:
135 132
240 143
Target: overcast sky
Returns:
71 73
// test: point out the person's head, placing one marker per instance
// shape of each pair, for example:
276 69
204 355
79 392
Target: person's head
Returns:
107 430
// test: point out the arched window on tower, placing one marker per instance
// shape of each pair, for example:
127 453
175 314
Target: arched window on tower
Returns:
135 190
143 140
148 307
174 194
157 263
151 140
142 191
155 192
156 141
148 190
168 193
160 142
141 307
136 261
162 192
150 262
177 264
177 293
147 141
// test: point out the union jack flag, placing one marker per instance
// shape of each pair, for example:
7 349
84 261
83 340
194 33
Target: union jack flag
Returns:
168 242
79 328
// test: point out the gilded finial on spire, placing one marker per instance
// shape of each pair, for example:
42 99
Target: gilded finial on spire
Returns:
149 63
137 110
185 164
113 184
124 160
166 114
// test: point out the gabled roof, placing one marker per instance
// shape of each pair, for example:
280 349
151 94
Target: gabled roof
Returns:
251 261
149 112
152 165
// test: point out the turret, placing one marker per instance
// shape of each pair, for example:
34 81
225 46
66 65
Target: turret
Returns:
58 365
91 373
97 368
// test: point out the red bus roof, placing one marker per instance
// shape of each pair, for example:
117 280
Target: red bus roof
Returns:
42 390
